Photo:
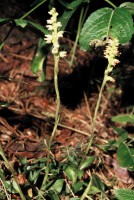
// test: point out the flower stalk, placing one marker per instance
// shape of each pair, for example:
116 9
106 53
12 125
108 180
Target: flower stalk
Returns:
53 38
111 52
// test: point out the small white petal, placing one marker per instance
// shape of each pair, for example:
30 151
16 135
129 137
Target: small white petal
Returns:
52 11
49 21
60 34
49 27
109 78
63 54
59 24
48 38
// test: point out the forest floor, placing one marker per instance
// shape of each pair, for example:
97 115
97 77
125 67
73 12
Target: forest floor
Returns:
27 108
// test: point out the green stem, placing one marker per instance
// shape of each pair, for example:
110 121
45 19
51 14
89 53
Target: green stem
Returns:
12 171
93 123
84 195
77 38
7 35
97 108
34 8
56 60
81 21
113 5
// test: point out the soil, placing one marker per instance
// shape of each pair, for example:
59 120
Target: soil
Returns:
27 106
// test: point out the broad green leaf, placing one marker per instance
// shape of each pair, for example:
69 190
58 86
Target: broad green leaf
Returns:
87 162
125 156
74 198
107 22
129 6
58 185
67 14
98 183
123 118
122 133
71 173
124 194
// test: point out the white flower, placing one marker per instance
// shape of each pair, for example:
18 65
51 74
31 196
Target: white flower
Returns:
53 26
62 54
58 24
48 38
54 50
49 27
111 51
60 34
49 21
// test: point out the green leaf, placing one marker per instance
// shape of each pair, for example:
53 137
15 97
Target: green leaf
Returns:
33 176
122 133
67 14
78 186
124 194
53 195
39 58
125 156
12 186
94 190
4 20
107 22
98 183
23 23
111 145
123 118
129 6
86 163
80 173
71 173
58 185
66 4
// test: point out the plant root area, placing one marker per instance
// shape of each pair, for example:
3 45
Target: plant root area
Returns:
27 113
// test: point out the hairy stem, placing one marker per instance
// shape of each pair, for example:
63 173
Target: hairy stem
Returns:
56 60
93 124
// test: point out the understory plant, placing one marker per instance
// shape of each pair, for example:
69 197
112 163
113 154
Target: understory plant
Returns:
53 26
106 27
